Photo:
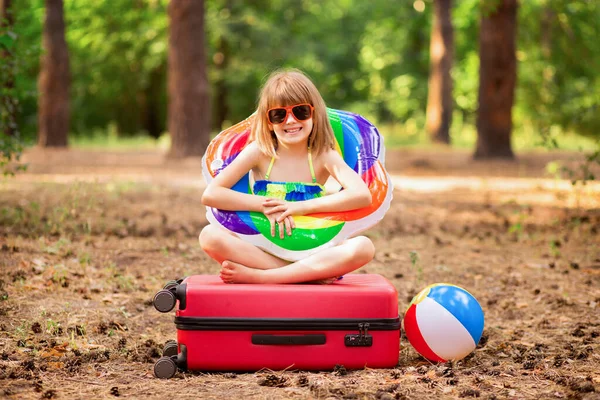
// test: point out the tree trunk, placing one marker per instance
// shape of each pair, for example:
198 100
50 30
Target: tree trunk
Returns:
189 102
53 84
152 116
497 80
7 68
439 101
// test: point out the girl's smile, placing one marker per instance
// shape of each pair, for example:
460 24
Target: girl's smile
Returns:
292 131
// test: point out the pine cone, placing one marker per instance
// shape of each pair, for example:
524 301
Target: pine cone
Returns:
273 380
302 381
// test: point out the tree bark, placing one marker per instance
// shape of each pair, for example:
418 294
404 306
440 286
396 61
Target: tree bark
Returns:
152 114
189 102
53 83
439 100
497 81
7 68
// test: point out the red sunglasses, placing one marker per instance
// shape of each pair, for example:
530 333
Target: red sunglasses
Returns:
301 112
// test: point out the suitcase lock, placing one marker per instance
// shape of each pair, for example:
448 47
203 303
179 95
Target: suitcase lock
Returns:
363 339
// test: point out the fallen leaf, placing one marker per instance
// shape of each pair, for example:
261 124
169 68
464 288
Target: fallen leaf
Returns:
56 365
56 351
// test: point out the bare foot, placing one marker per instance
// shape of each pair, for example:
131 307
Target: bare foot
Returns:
232 272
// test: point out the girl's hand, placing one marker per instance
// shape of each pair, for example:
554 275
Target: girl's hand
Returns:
284 208
284 224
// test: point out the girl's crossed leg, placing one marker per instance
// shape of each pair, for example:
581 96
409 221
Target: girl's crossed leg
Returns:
223 246
242 262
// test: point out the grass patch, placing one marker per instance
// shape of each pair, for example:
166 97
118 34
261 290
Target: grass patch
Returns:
109 139
56 211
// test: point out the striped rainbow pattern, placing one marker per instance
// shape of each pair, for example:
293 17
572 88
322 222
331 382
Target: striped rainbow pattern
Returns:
444 322
361 146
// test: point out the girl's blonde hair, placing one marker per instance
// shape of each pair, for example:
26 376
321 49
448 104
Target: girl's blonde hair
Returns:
285 88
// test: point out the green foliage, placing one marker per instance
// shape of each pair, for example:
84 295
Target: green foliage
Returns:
53 327
559 85
416 265
554 248
11 150
584 171
118 61
518 227
13 57
489 7
368 57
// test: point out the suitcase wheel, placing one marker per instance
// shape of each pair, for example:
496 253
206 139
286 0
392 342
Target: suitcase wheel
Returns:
170 349
165 368
164 301
170 285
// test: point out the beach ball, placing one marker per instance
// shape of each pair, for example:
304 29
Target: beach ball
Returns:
443 322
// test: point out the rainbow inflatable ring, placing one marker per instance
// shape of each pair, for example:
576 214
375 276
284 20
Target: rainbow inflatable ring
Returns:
361 146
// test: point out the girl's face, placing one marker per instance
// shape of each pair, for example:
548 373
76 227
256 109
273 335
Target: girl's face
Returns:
291 130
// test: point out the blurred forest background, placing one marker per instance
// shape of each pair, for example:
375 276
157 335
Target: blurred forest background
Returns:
178 72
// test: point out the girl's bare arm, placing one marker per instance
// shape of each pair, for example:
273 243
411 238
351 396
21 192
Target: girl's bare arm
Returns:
355 194
218 193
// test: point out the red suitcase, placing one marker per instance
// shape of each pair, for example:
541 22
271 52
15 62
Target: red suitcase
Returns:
353 322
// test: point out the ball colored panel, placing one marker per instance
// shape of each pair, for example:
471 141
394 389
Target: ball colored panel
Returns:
414 336
444 334
462 305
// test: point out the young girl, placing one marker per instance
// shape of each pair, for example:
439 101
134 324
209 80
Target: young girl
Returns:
292 141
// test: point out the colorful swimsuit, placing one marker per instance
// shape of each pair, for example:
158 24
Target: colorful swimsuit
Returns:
293 191
289 191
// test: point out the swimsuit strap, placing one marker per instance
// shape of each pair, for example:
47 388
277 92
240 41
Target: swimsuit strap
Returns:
270 167
310 165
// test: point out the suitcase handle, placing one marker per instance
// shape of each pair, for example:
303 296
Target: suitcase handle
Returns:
288 339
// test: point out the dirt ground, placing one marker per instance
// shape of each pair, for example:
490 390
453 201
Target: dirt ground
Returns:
87 239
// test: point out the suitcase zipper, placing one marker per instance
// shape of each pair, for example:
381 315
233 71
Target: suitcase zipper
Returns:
287 324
